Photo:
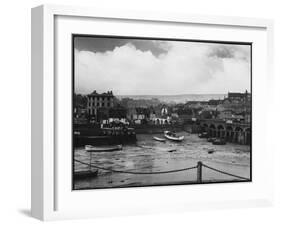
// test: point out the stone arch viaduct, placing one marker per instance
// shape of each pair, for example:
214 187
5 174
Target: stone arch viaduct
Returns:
232 132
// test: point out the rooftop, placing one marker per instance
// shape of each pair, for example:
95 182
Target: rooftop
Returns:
236 94
107 94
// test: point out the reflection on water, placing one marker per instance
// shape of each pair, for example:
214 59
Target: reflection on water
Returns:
149 155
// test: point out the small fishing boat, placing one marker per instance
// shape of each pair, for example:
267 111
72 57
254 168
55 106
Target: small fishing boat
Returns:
203 135
85 174
211 139
172 150
219 141
159 139
90 148
211 151
172 136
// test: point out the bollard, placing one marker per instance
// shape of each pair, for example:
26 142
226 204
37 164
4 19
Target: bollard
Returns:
199 172
90 165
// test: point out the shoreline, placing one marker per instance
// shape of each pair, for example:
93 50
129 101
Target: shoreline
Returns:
152 156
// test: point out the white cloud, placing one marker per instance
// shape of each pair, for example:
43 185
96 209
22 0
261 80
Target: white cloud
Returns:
186 68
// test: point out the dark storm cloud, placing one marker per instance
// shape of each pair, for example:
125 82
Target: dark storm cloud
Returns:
222 51
160 67
100 44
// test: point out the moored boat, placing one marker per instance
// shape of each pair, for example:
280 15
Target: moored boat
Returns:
211 151
85 174
159 139
203 135
172 136
211 139
90 148
219 141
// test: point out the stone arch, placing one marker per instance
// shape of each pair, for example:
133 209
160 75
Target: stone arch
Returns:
212 130
238 135
248 136
196 126
238 128
229 133
220 131
212 126
229 127
220 127
205 127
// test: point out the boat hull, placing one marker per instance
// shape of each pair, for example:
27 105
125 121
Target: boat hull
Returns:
90 148
219 142
176 139
159 139
85 174
173 138
80 141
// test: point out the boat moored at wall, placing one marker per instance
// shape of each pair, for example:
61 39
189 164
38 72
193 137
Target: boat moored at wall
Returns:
172 136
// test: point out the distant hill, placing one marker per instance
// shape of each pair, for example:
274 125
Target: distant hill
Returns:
182 98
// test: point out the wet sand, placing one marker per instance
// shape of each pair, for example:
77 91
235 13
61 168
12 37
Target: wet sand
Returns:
149 155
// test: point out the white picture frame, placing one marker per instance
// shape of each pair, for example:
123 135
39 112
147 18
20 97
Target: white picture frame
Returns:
48 187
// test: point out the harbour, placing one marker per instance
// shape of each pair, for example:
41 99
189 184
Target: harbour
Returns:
149 155
169 121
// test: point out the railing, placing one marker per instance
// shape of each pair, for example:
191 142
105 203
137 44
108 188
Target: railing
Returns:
199 168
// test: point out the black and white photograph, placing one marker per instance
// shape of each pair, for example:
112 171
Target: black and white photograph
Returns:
159 112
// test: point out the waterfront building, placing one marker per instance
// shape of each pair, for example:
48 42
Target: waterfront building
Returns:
184 118
131 113
137 121
208 114
152 115
213 102
197 104
99 103
238 97
79 112
140 115
164 111
161 121
225 114
247 117
117 112
175 115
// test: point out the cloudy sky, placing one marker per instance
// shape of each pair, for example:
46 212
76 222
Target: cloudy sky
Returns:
151 67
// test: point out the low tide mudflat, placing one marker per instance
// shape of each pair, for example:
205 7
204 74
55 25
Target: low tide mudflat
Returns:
148 155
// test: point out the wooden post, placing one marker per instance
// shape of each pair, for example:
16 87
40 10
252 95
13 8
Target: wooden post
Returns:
90 161
199 172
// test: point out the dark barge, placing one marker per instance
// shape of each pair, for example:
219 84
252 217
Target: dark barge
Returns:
103 136
85 174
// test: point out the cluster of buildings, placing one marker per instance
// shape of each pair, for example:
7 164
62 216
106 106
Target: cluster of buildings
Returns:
105 108
235 107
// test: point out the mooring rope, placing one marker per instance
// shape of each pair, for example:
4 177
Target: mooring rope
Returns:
226 173
160 172
130 172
